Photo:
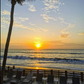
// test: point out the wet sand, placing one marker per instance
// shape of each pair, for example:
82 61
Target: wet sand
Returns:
41 68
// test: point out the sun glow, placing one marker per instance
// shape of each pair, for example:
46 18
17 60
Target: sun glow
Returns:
38 45
36 67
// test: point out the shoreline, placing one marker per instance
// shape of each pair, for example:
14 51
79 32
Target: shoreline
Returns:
42 68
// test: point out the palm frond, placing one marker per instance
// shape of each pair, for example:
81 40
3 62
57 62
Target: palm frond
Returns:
20 1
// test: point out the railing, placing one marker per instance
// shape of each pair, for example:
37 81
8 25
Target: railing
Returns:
56 73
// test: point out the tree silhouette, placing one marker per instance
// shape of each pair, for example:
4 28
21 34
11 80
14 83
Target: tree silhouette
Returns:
13 2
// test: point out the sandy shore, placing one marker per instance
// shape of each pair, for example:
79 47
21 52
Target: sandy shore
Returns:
41 68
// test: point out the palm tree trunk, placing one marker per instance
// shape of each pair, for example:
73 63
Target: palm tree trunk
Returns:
7 42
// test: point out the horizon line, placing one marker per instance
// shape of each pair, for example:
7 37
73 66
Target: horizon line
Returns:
46 49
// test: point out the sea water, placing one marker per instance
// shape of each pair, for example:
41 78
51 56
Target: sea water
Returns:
72 59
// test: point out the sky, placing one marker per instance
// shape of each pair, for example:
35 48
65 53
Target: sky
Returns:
50 24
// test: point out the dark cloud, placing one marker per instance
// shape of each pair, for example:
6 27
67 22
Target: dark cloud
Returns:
64 35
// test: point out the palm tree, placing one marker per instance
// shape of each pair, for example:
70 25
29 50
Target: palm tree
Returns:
13 2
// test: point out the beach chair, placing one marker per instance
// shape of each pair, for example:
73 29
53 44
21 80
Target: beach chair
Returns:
63 80
17 78
75 80
8 77
38 79
50 79
28 78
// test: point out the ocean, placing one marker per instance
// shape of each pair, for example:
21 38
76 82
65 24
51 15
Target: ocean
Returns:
72 59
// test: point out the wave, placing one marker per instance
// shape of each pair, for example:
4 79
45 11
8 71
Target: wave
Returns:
59 60
51 53
46 52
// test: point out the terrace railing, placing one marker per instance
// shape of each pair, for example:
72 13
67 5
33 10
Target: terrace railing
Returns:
56 73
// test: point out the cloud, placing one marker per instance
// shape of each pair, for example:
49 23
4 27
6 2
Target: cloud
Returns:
30 28
4 20
22 26
59 44
37 38
63 3
51 4
5 12
3 26
64 30
17 20
56 42
16 24
47 18
31 7
81 33
31 24
64 35
69 26
43 29
19 25
23 19
38 28
53 44
62 20
73 44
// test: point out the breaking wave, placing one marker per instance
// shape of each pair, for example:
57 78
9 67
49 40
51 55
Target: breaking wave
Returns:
46 52
60 60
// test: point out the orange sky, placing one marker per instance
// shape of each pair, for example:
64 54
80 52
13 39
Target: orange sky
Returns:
52 24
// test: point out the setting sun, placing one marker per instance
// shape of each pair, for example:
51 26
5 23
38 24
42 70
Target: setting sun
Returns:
38 45
36 67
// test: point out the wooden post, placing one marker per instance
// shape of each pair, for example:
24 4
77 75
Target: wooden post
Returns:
23 72
73 74
58 73
44 73
82 76
30 71
17 70
51 72
13 66
37 71
66 74
8 69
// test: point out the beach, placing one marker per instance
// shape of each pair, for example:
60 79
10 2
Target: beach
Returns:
60 62
68 59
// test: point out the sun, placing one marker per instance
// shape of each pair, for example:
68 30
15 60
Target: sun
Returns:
38 45
36 67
